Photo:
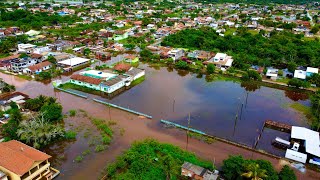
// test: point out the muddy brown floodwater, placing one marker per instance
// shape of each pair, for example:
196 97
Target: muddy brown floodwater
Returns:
154 96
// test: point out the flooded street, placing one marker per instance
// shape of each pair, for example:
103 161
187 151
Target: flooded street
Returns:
171 95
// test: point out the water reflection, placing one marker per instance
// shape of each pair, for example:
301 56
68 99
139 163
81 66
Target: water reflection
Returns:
296 95
250 86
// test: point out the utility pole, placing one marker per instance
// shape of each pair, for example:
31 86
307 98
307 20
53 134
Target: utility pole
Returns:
109 112
188 132
174 101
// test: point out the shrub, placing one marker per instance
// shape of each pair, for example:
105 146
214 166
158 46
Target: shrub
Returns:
211 68
45 75
78 159
280 73
298 83
86 152
287 173
100 148
70 135
52 112
106 140
72 112
182 65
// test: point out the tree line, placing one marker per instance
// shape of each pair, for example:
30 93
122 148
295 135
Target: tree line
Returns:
249 49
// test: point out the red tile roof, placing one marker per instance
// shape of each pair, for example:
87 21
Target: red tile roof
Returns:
122 67
86 79
39 66
36 56
10 57
18 157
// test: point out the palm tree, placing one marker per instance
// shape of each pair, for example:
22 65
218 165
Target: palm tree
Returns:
38 132
254 172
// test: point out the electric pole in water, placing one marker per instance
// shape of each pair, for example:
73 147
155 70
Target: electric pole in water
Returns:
188 132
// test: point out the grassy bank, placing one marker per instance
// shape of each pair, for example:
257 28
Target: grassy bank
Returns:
137 81
152 159
67 86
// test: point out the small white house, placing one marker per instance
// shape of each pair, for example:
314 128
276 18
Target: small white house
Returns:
272 73
37 68
151 26
176 54
300 74
40 50
135 73
311 70
219 57
26 48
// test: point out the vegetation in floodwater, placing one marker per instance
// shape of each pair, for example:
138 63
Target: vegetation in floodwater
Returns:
70 135
86 152
112 123
137 81
78 159
152 159
122 131
302 109
72 113
201 137
100 148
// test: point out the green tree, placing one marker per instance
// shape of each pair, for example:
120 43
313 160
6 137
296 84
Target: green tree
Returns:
52 59
287 173
13 105
292 66
254 172
314 29
38 132
294 82
52 112
45 75
211 68
232 167
23 55
86 52
182 65
9 129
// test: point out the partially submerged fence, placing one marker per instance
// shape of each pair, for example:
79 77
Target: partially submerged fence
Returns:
182 127
123 108
221 139
72 92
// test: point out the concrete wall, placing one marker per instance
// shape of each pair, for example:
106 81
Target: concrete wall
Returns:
113 88
84 84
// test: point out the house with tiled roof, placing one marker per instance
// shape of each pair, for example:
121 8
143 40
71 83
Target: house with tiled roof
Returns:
86 81
5 63
37 68
20 161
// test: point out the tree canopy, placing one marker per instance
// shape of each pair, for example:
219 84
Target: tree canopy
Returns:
247 48
149 159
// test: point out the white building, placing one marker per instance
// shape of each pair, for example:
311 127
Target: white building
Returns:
40 50
151 26
300 74
272 73
26 48
176 54
135 73
73 62
219 57
309 142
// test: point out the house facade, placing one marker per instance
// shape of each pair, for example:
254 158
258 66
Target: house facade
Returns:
20 161
37 68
